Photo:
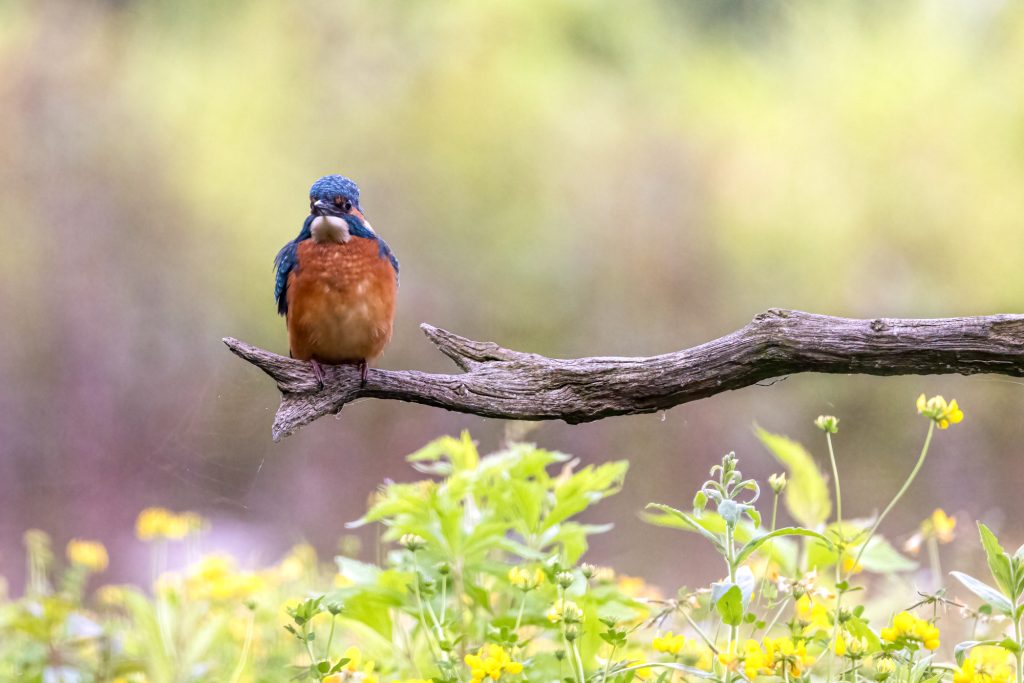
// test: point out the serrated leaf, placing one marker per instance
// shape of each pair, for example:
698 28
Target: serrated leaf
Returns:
806 496
984 591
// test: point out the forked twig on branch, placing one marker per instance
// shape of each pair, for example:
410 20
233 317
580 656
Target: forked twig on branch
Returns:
502 383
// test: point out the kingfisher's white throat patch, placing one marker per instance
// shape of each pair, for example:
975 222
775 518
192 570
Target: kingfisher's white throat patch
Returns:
330 229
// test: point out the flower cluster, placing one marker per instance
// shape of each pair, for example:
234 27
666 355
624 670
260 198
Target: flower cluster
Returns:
565 610
938 526
941 413
986 664
906 627
690 651
88 554
160 523
491 661
775 656
524 579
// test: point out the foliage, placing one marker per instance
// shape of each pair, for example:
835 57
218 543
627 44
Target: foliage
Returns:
482 581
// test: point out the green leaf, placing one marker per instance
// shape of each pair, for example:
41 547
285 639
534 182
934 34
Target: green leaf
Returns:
998 561
985 592
753 545
806 497
690 521
881 557
730 606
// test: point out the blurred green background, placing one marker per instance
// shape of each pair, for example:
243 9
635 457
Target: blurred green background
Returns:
565 177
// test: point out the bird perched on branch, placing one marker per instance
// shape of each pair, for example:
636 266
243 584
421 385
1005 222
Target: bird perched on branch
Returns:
336 282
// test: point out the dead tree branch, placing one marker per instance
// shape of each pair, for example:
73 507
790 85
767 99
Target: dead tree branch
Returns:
502 383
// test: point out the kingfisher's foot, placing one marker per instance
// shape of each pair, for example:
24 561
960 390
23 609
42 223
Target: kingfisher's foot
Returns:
362 374
318 372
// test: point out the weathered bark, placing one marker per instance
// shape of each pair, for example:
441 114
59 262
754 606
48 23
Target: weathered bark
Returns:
502 383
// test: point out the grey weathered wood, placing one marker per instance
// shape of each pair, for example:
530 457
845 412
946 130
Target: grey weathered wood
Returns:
502 383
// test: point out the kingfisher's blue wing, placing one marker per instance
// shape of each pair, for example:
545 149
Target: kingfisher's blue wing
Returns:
287 260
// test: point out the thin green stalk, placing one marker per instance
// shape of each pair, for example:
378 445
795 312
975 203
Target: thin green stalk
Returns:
422 614
778 614
899 494
309 650
700 631
444 595
608 664
839 505
519 617
933 559
330 638
236 675
579 661
1020 652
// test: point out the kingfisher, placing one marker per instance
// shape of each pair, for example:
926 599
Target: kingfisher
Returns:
336 282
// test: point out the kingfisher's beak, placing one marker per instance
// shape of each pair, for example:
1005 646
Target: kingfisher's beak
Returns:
322 208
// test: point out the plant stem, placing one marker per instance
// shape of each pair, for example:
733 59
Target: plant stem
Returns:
519 618
236 675
839 506
1019 654
933 559
899 494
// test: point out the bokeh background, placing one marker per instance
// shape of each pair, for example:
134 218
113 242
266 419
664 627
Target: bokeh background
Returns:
566 177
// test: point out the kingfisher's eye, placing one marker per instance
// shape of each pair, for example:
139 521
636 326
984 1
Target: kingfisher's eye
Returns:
342 203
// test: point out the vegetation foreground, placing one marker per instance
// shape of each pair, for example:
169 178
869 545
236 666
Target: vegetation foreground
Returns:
484 582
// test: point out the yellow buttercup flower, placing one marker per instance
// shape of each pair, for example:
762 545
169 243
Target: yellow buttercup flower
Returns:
669 643
986 664
157 523
491 661
525 580
938 411
905 626
88 554
813 614
940 525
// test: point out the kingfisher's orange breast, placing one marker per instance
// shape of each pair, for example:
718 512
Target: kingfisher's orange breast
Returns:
341 301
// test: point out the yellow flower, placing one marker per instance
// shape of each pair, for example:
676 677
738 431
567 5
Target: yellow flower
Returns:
851 566
111 596
669 643
89 554
813 614
787 657
354 669
636 587
906 626
156 523
565 610
216 578
938 411
940 525
491 661
986 664
524 579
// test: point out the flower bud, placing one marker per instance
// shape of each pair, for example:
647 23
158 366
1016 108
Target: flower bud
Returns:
412 542
827 423
778 482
